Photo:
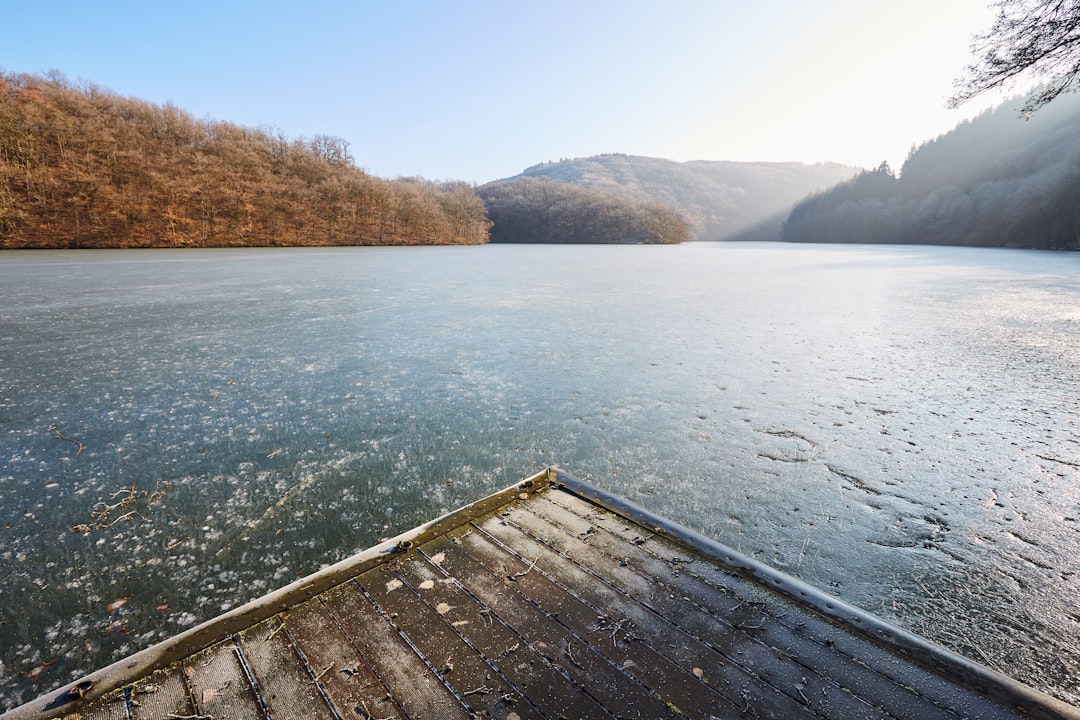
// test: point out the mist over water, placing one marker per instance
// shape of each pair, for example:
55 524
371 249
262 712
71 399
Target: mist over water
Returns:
181 431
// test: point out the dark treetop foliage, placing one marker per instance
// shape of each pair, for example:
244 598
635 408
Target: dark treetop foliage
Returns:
1039 38
542 210
83 167
992 181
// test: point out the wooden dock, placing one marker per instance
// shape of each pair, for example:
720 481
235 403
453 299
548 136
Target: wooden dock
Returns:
550 599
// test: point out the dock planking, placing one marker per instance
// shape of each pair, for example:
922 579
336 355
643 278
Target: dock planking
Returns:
550 599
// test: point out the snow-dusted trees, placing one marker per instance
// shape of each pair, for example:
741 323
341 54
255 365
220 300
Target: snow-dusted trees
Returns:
993 181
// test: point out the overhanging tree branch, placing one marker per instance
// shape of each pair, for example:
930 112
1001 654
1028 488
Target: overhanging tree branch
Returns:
1034 38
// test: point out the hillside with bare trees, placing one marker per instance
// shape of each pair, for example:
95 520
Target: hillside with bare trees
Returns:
82 167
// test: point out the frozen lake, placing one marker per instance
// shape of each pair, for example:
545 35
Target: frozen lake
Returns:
181 431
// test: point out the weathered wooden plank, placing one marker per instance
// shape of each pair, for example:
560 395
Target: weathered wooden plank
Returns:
162 696
732 668
721 620
466 612
740 625
285 683
220 686
418 691
854 661
460 663
110 707
487 614
597 633
629 676
555 607
345 675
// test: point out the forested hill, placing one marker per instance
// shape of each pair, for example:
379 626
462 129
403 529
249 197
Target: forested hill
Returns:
83 167
718 200
997 181
541 210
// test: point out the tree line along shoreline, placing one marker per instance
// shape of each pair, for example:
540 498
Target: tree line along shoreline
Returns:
83 167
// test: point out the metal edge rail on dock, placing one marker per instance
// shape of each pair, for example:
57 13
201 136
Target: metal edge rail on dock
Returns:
951 665
645 566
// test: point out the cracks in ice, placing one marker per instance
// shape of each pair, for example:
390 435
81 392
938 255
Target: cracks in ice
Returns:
798 454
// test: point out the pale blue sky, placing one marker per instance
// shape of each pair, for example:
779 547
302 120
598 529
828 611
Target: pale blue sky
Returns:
481 89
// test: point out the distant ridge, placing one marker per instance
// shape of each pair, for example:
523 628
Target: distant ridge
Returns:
719 200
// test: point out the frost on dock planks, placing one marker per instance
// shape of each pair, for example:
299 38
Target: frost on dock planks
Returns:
550 599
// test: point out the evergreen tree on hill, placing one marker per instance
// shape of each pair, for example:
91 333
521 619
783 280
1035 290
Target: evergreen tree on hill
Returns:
992 181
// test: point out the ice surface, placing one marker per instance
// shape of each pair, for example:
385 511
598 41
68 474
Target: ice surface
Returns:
189 430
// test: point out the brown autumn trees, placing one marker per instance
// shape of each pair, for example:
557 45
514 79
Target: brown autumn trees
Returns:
82 167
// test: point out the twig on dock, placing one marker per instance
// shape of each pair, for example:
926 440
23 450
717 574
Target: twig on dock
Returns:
526 571
369 715
615 631
278 629
802 553
570 657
